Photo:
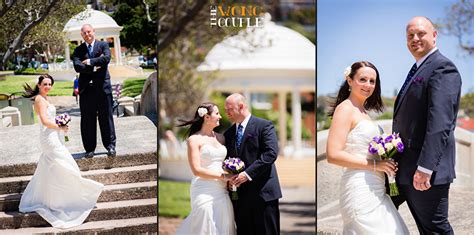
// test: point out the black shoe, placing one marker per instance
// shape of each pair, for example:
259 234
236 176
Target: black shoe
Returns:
111 152
89 154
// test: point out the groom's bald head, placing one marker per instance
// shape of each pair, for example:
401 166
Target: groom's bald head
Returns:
236 107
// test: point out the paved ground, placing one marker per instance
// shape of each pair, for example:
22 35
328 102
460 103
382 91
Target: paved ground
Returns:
461 202
297 207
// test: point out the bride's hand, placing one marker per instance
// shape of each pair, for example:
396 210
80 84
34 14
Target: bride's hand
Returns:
64 128
390 167
227 177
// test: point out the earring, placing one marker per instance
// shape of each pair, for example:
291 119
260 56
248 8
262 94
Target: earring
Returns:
349 88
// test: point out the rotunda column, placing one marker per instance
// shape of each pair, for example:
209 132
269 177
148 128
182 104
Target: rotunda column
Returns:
296 130
282 119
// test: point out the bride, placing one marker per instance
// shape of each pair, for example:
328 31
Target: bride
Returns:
211 208
365 207
57 192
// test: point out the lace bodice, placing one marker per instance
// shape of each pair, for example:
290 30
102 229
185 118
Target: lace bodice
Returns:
359 138
51 113
212 156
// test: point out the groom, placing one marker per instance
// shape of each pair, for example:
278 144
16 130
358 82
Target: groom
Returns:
425 116
254 141
91 60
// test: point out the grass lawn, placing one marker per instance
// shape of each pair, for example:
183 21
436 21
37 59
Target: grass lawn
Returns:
133 87
14 84
173 199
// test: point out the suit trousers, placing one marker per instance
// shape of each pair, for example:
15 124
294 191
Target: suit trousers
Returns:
429 208
96 105
256 217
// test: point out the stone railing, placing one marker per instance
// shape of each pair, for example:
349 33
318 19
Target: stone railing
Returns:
464 153
10 116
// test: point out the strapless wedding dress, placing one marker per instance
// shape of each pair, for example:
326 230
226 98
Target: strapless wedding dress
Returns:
365 207
211 209
57 192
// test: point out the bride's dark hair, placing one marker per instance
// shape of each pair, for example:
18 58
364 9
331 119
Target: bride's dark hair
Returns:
32 92
197 121
374 102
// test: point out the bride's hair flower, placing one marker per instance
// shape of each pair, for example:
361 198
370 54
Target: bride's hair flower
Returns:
347 72
202 111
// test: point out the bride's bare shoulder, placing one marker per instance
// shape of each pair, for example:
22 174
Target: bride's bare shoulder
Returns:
344 108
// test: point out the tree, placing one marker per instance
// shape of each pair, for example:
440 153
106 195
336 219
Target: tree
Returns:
18 18
185 38
460 23
467 104
139 21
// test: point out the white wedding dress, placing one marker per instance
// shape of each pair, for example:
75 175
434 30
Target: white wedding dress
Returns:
365 207
211 209
57 192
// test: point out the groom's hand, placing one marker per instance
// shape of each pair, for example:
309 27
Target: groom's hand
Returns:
240 179
421 181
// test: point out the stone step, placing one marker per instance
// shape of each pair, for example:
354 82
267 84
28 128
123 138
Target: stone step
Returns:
103 211
144 225
136 145
117 192
85 164
120 175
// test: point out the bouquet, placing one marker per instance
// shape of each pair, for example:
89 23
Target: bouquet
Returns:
384 147
63 120
233 166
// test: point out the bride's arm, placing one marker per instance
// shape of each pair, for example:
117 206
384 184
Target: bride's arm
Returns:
194 159
338 132
41 108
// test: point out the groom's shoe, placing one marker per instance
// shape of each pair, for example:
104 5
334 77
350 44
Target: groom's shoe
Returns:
111 152
89 154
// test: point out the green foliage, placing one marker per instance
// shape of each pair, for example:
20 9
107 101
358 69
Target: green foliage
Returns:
14 84
385 115
137 33
30 71
467 104
174 199
306 16
133 87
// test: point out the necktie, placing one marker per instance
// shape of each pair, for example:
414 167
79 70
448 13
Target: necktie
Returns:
408 79
240 133
89 50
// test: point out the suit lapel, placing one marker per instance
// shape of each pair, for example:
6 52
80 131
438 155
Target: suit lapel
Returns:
423 66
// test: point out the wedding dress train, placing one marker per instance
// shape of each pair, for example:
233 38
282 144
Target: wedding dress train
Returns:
57 192
365 207
211 208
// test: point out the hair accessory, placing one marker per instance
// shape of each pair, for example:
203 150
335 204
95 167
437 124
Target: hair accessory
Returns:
347 72
202 111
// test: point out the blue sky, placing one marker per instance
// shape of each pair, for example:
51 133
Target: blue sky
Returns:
374 30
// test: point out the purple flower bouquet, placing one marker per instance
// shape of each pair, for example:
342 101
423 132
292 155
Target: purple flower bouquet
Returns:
63 120
233 166
384 147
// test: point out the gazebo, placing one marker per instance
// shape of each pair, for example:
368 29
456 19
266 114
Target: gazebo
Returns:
271 59
105 27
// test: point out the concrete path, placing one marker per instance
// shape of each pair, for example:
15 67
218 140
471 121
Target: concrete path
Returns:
329 221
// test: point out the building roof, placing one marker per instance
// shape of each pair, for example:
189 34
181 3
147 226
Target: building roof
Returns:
104 25
279 48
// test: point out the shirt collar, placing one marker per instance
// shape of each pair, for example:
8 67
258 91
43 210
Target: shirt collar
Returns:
420 61
244 122
92 44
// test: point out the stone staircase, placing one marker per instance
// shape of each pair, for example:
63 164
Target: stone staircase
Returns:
128 203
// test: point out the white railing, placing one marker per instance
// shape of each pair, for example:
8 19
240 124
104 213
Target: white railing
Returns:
464 153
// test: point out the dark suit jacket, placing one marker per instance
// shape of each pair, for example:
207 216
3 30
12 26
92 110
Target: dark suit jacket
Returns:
100 58
259 150
425 116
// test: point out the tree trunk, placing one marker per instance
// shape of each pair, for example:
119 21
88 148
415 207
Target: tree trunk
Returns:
19 39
